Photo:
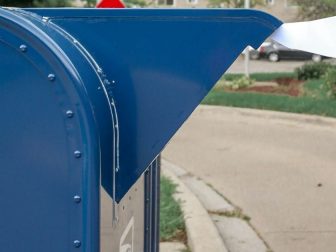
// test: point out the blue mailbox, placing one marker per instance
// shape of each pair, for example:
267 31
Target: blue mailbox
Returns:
89 98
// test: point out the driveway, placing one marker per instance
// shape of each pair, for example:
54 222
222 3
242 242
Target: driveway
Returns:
279 168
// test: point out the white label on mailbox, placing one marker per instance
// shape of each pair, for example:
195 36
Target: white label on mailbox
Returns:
127 238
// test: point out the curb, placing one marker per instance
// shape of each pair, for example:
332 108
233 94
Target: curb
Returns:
315 120
210 217
202 233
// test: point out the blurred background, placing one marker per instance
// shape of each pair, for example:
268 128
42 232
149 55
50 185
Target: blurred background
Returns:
47 3
286 10
277 168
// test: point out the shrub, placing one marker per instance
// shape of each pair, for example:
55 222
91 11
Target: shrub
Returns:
330 82
238 83
312 70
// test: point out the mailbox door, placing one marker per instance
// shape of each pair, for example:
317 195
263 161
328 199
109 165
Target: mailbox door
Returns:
161 64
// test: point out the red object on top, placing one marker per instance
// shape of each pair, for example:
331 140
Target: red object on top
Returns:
110 4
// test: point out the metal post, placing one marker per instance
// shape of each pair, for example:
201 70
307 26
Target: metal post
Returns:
247 52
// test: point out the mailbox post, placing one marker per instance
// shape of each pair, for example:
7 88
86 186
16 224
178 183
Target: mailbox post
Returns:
88 100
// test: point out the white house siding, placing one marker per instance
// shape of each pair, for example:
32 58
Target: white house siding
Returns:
282 9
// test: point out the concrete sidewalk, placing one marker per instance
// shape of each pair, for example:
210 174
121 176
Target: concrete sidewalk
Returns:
278 167
212 223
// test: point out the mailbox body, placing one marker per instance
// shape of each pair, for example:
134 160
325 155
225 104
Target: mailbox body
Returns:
90 98
49 141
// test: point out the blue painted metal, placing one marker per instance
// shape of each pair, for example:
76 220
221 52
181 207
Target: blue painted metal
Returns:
152 206
72 80
163 63
40 174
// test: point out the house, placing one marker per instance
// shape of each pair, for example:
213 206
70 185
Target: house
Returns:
78 3
285 10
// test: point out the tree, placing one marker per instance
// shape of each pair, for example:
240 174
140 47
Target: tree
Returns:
313 9
43 3
35 3
51 3
136 3
89 3
17 3
233 3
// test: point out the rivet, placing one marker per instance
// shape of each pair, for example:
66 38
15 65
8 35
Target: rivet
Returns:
69 113
23 48
45 19
77 199
77 243
77 154
51 77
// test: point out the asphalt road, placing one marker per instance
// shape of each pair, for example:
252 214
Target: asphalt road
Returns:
263 66
279 168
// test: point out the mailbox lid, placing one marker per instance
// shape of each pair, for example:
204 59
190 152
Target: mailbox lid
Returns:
162 64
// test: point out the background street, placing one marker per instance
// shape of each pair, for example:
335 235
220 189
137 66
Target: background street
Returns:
264 66
279 168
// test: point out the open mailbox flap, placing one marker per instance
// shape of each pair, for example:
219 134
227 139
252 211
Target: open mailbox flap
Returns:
161 63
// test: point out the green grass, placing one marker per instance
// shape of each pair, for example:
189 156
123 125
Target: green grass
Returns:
314 101
172 225
260 76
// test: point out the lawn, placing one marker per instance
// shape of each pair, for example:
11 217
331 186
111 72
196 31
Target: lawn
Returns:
313 99
172 227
